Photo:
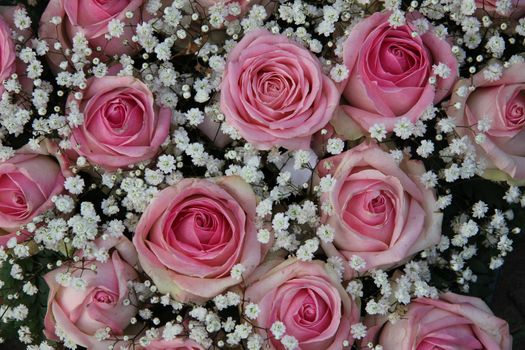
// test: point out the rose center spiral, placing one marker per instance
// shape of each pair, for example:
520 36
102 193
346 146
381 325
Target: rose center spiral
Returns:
515 114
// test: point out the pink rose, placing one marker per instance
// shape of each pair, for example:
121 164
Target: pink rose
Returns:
502 103
7 48
390 72
76 314
193 233
488 7
451 322
175 344
381 211
122 125
308 298
90 17
274 92
28 182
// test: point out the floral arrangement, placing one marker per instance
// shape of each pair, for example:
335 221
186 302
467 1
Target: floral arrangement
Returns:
259 174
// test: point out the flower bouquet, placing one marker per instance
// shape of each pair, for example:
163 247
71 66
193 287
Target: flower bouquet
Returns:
259 174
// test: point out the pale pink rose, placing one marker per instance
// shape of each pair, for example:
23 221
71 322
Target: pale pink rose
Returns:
275 93
7 47
193 233
380 210
451 322
78 313
28 182
488 7
390 71
90 17
308 298
502 103
175 344
122 125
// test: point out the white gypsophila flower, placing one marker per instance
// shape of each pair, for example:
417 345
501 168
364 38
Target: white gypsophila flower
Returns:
495 45
21 19
237 271
358 330
442 70
425 149
404 128
355 289
278 329
251 311
339 73
429 179
493 72
335 146
263 236
74 184
357 263
326 233
378 132
290 342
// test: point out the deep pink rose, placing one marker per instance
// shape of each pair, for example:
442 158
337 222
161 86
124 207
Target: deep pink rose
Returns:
274 92
451 322
308 298
28 182
502 102
7 48
193 233
488 7
175 344
90 17
381 211
390 71
78 314
122 125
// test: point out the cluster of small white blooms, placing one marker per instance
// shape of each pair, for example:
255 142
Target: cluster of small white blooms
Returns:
330 17
254 19
197 153
145 36
84 227
137 194
17 313
400 289
247 164
306 251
